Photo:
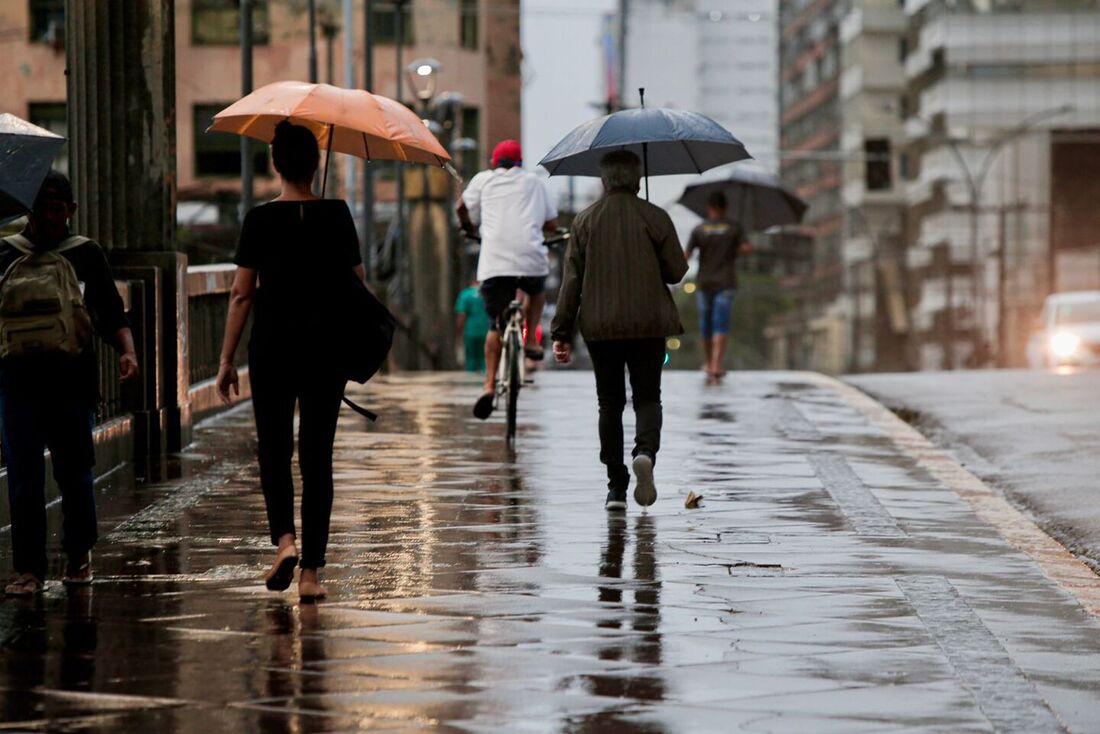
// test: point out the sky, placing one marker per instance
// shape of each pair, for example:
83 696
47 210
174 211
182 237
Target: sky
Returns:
562 75
563 87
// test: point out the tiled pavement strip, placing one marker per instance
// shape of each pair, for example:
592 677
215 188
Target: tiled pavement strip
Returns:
841 576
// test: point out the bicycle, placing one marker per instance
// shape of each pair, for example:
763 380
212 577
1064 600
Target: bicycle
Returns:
512 370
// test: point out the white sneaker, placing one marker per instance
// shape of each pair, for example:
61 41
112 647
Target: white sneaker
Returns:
645 492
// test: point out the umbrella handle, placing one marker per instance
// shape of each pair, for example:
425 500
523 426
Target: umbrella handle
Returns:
645 168
328 155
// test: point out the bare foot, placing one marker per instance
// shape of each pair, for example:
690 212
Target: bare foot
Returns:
281 573
309 586
78 571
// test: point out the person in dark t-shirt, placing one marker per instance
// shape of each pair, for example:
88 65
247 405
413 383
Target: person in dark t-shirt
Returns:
719 242
292 255
49 401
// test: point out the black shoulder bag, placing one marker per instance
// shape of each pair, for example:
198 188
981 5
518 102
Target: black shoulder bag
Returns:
367 338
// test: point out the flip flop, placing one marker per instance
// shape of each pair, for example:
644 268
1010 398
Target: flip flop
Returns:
24 585
483 408
79 573
535 354
281 574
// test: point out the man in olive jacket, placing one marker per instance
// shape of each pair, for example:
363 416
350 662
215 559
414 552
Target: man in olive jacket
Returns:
622 254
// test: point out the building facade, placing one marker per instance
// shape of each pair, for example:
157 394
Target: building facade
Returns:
716 57
947 151
476 43
1004 109
813 334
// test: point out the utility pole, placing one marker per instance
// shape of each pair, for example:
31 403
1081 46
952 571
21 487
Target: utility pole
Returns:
624 9
246 88
404 279
1002 301
312 5
349 82
368 167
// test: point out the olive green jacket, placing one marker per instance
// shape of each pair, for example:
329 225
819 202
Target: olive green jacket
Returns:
622 253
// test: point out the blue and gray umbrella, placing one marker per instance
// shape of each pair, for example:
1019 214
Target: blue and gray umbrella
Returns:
668 142
26 154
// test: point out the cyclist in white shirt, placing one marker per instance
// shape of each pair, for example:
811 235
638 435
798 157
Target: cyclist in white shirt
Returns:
512 207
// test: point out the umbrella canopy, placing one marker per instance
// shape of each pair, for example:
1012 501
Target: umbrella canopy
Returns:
668 141
351 121
757 199
26 154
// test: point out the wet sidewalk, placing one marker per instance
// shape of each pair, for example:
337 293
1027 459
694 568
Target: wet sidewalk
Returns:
839 577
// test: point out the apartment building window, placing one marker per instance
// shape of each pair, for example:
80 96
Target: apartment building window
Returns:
384 23
877 153
903 48
47 21
218 22
219 154
51 116
471 128
467 23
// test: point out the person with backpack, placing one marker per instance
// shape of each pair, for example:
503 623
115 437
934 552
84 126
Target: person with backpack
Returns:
295 261
55 291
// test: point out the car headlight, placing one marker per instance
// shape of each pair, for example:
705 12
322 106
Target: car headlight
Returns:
1064 344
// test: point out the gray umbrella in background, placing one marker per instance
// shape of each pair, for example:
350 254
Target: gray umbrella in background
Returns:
26 154
668 142
757 199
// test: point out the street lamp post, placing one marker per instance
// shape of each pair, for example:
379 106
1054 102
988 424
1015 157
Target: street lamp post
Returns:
246 89
975 182
404 284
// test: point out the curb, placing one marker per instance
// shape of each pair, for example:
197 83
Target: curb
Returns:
1053 559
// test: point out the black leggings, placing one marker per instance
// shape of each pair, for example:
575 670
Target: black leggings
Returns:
275 390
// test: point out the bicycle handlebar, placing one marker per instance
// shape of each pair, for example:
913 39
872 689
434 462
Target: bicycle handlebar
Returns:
558 238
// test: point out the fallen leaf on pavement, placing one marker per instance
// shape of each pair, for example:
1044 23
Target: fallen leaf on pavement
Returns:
692 501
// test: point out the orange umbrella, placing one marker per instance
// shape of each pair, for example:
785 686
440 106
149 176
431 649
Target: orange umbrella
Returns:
351 121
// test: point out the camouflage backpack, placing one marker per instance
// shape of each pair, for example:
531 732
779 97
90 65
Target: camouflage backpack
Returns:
42 308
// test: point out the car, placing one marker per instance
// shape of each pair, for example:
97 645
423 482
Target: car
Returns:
1068 331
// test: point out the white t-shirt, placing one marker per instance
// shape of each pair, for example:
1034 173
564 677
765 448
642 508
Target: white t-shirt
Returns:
511 205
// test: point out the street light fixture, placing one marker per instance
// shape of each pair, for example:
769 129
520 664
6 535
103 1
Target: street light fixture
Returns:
423 75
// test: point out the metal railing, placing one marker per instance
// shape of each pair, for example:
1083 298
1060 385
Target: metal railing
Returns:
208 306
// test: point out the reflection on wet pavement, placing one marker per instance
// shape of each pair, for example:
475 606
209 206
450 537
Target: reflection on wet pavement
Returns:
828 583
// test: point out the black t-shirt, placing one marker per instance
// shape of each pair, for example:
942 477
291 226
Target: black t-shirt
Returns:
104 306
299 249
719 244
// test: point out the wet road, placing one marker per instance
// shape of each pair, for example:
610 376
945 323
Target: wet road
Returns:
830 583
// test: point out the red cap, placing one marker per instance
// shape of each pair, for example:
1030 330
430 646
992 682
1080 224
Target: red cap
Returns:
507 149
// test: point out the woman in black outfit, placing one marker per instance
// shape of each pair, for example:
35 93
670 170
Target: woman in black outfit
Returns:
294 248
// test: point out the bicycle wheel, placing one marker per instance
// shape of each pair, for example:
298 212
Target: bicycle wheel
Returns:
515 354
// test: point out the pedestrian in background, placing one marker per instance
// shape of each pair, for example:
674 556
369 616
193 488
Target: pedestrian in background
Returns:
297 247
623 253
719 241
49 385
472 323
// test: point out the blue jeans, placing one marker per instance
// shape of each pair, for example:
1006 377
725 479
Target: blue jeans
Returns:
715 306
36 415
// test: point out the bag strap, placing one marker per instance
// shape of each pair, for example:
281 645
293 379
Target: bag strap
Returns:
20 243
368 414
71 242
25 246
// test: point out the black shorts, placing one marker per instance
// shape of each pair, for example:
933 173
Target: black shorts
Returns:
499 292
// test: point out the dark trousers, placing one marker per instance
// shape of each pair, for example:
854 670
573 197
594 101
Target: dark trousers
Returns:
33 417
643 359
275 391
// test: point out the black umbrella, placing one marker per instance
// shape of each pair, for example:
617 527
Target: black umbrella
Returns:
26 154
668 142
757 199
